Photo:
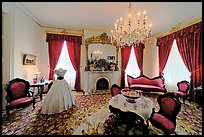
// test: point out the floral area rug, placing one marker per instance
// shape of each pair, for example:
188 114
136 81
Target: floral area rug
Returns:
88 117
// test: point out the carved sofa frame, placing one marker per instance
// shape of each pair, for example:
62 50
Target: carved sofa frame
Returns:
147 84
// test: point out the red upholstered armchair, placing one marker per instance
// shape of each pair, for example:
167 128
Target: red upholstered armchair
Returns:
18 95
165 118
183 88
115 89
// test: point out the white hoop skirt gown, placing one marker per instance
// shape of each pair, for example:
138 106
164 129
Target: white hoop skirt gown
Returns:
58 98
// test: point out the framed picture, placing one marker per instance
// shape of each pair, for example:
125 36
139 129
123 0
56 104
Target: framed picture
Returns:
29 59
110 57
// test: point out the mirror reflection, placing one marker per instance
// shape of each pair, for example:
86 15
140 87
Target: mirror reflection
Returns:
102 51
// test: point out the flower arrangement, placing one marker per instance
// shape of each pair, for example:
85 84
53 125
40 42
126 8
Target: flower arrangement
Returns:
100 65
35 77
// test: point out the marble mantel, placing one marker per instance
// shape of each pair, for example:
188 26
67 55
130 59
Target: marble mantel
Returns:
91 77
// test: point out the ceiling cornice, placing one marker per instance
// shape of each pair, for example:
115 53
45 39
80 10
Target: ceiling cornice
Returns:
183 21
28 13
179 28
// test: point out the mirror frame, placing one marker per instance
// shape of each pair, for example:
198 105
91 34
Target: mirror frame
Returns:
101 39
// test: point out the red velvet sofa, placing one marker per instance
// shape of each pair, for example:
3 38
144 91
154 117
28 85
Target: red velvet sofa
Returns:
144 83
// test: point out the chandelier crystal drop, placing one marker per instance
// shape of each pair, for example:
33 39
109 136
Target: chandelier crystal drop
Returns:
131 30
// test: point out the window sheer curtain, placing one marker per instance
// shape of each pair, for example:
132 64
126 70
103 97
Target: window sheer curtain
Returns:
132 68
139 56
175 69
65 63
125 54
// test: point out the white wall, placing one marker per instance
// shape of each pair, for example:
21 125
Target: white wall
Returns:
43 58
150 59
27 40
5 52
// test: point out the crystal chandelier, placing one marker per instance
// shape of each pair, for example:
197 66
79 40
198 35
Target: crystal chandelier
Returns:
133 30
97 52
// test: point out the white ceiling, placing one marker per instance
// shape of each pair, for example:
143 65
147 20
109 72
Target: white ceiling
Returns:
102 15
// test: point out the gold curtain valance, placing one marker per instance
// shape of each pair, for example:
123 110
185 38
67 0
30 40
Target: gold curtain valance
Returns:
64 32
70 38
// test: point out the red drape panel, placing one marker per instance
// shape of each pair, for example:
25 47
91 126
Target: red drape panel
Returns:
74 51
164 44
189 42
125 54
139 56
54 48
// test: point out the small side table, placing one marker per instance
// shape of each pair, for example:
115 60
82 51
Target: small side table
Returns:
40 86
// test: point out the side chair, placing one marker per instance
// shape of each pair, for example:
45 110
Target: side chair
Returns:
183 88
18 95
165 118
115 89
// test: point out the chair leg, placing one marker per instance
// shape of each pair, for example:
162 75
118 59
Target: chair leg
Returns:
34 105
7 113
175 133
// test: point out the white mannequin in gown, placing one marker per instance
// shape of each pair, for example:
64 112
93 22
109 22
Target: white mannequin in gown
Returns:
59 96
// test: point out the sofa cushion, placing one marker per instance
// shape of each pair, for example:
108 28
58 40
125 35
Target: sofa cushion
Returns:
145 81
135 80
147 87
156 82
19 102
179 93
164 123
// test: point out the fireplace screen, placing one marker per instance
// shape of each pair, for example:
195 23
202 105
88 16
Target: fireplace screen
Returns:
102 84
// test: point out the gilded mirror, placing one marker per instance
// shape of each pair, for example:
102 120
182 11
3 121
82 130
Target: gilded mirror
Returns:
101 54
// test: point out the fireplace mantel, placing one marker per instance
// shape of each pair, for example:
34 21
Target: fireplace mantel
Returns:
101 71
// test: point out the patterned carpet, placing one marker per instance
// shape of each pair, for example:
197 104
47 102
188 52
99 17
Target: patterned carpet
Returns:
87 117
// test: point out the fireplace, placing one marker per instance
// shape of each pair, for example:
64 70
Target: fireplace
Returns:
102 84
99 81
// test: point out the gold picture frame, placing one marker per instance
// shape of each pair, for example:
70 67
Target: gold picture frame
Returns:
29 59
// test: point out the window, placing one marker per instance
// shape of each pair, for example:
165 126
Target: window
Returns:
65 63
132 68
175 70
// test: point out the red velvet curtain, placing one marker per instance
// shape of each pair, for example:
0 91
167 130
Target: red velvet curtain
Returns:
125 54
189 42
54 48
165 45
74 51
56 37
139 56
55 43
